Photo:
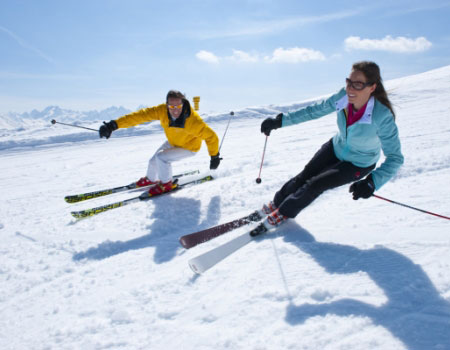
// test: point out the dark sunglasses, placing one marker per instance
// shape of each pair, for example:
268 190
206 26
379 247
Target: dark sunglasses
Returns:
357 85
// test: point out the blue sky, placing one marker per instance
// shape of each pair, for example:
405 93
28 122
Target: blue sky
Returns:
94 54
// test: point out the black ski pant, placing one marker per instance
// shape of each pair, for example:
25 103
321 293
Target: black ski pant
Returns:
323 172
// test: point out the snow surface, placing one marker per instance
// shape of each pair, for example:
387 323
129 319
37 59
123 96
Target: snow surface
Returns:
344 274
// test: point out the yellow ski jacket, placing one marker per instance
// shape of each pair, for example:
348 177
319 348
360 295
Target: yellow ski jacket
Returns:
187 132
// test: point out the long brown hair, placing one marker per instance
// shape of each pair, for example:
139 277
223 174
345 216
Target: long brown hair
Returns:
372 73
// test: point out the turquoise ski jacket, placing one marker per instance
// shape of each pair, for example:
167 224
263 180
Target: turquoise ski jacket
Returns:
361 142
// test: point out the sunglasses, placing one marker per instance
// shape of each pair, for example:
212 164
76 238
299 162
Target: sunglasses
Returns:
175 107
357 85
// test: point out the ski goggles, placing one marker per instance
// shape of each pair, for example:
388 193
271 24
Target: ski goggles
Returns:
175 107
357 85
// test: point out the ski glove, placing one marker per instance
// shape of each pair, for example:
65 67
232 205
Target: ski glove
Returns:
271 124
107 128
215 161
363 189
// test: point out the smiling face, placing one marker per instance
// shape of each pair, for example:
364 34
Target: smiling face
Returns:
175 106
358 97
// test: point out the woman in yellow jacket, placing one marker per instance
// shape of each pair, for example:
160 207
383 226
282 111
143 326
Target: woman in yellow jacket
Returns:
185 130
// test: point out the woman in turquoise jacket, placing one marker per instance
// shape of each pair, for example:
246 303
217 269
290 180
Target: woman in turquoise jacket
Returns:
366 123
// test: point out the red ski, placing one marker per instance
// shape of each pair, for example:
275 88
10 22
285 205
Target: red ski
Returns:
191 240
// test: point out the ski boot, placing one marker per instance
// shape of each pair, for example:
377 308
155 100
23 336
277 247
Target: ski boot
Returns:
273 220
144 182
160 188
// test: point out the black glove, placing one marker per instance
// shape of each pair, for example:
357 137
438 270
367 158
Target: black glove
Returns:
271 124
215 161
107 128
363 189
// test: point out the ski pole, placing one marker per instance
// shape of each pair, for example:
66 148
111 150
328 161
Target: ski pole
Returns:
223 137
408 206
258 179
75 126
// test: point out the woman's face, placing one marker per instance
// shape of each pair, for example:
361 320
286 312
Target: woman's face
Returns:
358 92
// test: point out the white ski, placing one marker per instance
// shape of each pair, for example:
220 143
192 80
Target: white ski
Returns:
210 258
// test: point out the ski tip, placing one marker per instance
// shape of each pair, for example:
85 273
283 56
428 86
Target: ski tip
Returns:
72 199
188 245
83 214
184 243
196 269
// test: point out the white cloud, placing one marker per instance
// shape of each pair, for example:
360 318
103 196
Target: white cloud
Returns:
388 43
280 55
242 56
294 55
207 57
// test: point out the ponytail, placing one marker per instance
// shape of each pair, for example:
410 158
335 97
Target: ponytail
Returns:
372 72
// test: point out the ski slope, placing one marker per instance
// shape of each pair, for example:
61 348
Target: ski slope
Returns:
344 274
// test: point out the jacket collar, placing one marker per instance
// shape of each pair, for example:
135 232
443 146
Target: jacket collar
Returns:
367 116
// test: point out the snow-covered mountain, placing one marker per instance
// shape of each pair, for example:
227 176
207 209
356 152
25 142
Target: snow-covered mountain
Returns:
17 120
35 128
343 274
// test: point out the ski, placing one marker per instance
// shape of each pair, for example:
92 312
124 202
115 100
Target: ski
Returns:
143 197
95 194
191 240
212 257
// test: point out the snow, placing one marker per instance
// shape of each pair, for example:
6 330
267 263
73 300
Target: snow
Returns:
344 274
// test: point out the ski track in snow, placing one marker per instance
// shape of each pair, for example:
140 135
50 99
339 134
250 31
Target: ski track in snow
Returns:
343 275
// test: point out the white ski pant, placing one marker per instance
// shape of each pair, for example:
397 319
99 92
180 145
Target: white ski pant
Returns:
159 166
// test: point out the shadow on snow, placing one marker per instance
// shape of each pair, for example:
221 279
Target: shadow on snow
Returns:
174 217
415 313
